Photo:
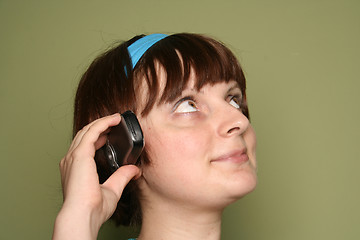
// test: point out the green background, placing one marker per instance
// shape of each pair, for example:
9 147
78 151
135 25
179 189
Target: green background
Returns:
301 59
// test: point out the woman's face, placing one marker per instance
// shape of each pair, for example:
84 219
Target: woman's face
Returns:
201 148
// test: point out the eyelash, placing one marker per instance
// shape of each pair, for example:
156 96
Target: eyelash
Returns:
237 98
187 98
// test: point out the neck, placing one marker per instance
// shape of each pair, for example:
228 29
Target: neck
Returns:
178 223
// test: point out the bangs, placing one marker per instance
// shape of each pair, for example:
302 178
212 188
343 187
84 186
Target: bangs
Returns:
181 55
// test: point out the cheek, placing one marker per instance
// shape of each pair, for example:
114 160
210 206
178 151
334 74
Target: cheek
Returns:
175 145
250 141
176 159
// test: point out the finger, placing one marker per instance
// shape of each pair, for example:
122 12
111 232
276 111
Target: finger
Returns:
61 167
92 132
99 127
84 130
120 178
79 135
101 141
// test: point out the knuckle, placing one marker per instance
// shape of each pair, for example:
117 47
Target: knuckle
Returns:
76 154
86 127
62 162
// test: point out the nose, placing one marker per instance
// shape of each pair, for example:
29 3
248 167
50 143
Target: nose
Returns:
232 122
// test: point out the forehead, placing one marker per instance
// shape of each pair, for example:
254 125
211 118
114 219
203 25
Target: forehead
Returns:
164 90
166 71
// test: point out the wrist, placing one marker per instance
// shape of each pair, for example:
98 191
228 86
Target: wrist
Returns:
75 224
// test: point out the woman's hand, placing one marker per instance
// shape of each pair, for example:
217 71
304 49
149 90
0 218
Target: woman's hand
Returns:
88 204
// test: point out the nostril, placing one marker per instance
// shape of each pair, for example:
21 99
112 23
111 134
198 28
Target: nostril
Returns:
234 129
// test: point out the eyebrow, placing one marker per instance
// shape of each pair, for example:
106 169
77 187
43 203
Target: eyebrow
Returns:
234 87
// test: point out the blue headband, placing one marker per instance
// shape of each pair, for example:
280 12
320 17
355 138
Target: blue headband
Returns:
138 48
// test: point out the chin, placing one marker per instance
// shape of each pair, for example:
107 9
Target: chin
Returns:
244 187
236 190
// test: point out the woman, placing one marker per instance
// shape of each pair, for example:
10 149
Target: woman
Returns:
188 92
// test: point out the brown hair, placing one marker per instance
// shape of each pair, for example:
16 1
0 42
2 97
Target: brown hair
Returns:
110 85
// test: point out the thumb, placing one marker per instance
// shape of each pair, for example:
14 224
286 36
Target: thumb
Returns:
120 178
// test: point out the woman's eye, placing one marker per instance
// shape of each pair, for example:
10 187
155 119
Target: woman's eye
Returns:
235 102
186 106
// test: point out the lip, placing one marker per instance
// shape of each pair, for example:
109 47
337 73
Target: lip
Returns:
237 156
